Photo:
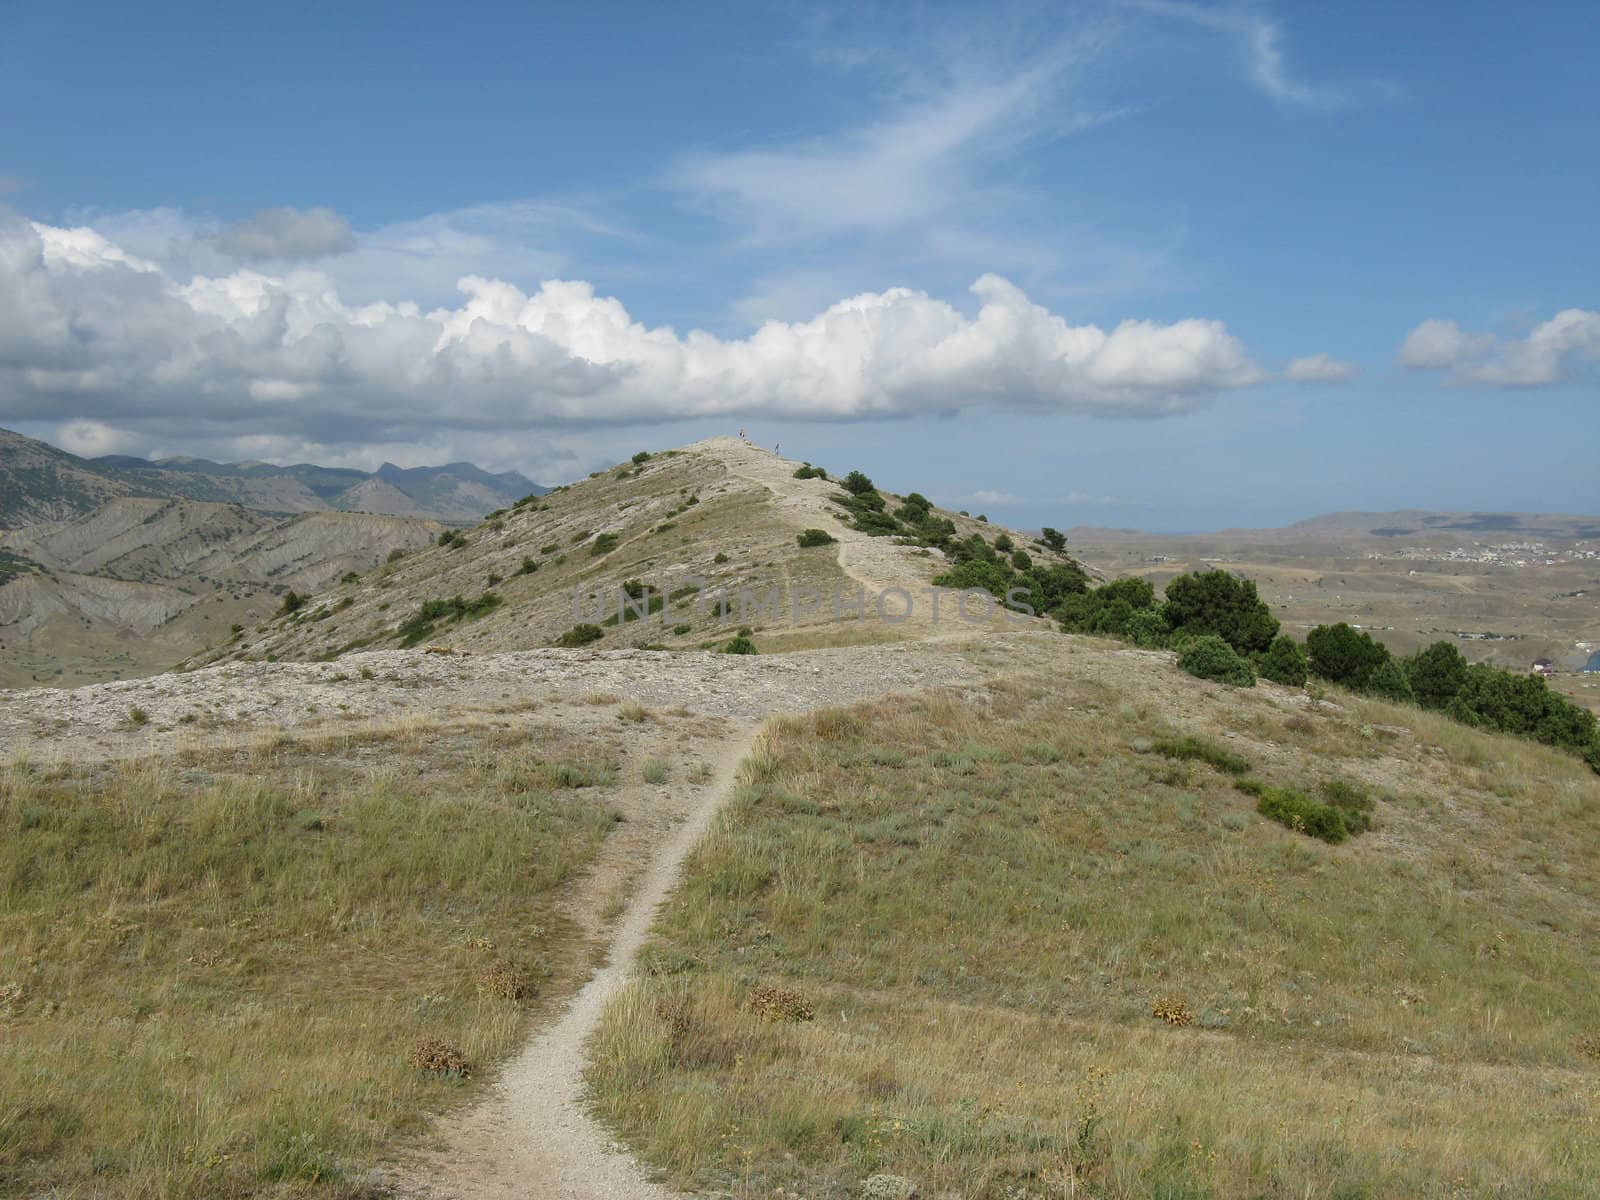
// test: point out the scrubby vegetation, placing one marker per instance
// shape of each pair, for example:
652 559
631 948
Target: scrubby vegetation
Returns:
1284 662
580 635
1199 750
1200 610
422 625
14 566
1044 589
807 471
742 643
1296 810
1220 603
815 537
1440 679
1211 657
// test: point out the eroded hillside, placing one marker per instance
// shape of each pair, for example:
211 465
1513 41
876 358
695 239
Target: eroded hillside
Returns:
138 584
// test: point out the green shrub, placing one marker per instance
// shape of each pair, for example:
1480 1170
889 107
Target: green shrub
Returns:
642 457
580 635
1004 544
1524 705
977 565
809 472
1344 655
1222 603
1146 627
858 484
1389 682
1020 560
1210 657
1053 538
1297 811
550 549
452 539
740 645
604 544
1106 609
528 567
1352 801
720 558
1200 750
815 537
293 602
1284 662
1436 674
680 630
396 555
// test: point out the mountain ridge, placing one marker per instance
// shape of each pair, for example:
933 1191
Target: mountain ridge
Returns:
40 482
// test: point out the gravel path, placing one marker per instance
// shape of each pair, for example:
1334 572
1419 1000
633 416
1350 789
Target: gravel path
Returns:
532 1137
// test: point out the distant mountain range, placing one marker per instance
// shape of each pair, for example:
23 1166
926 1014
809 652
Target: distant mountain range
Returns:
39 482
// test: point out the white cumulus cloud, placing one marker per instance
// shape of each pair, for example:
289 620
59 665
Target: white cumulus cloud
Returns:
1552 352
89 332
1319 368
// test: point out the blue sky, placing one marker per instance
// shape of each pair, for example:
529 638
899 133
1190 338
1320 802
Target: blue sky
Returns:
1235 264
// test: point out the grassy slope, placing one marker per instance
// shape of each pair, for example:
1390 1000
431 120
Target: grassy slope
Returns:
170 928
662 539
984 900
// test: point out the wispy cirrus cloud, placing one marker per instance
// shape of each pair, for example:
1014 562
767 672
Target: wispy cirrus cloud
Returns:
913 165
1260 40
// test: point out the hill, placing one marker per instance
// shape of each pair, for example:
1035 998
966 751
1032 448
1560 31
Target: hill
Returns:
717 517
138 584
39 482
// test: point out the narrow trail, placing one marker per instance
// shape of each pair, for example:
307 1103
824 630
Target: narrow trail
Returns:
531 1137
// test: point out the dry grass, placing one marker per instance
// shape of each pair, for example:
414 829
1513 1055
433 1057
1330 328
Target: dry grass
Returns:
216 967
1045 965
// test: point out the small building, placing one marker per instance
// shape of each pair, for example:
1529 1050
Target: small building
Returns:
1543 666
